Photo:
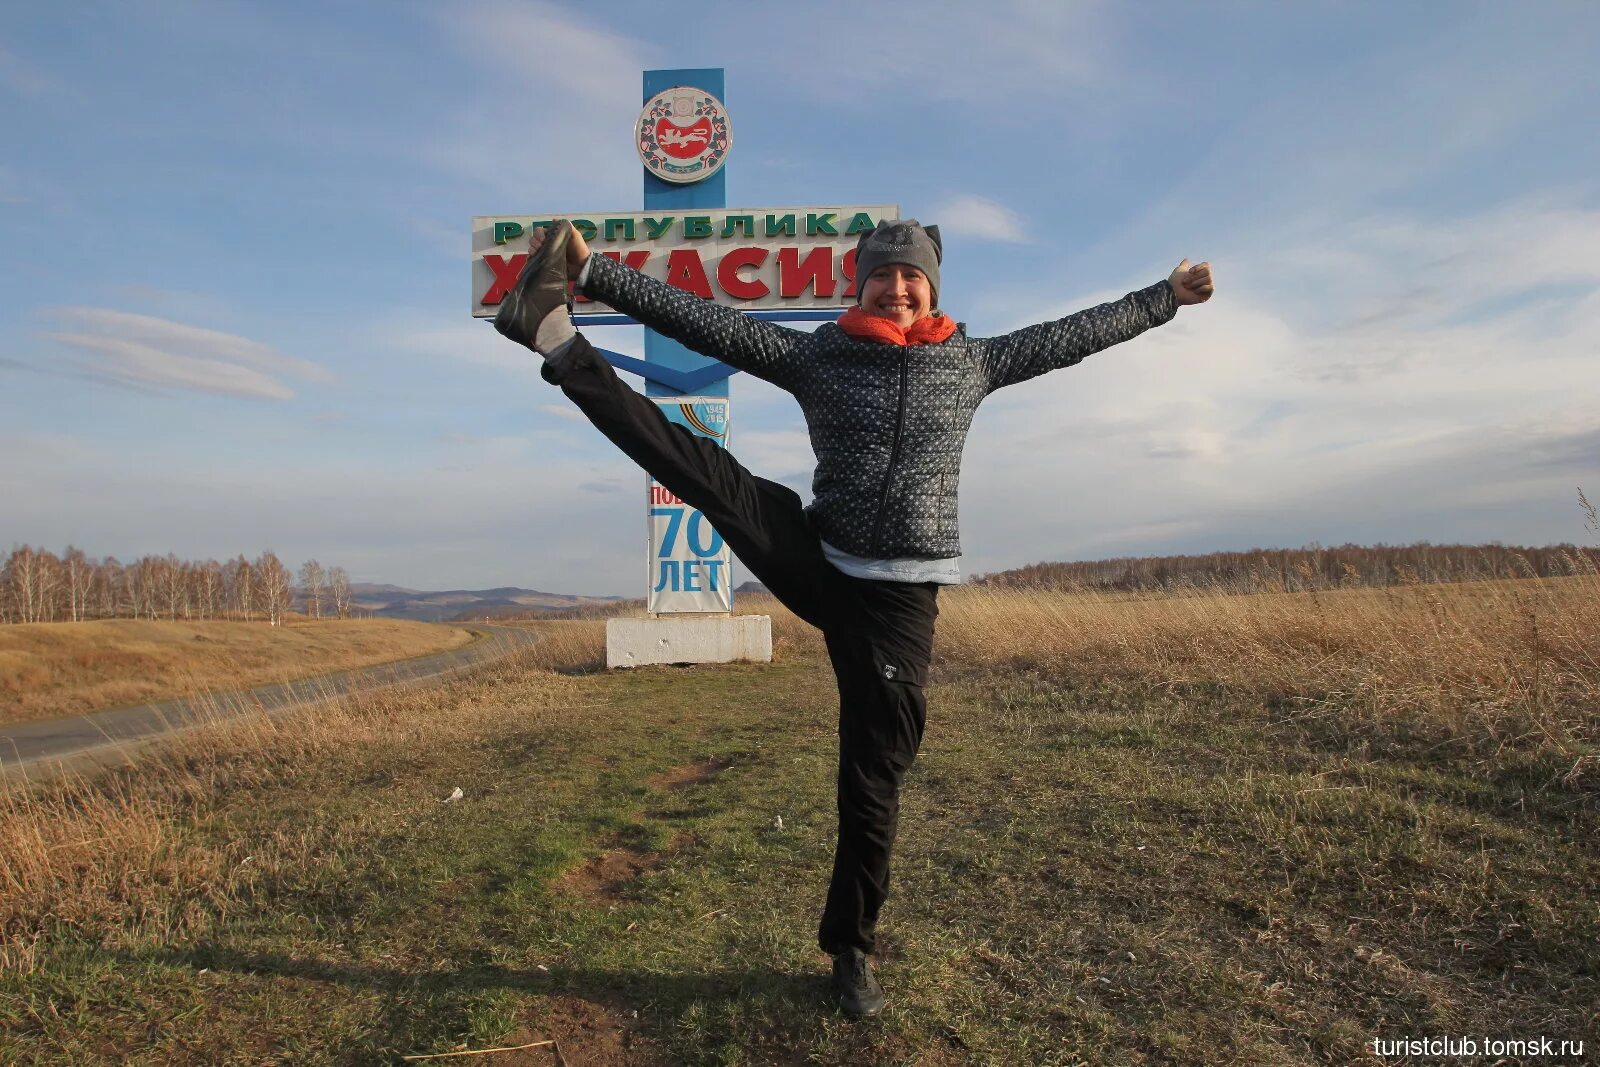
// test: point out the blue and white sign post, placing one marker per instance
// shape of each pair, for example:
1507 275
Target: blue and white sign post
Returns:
683 136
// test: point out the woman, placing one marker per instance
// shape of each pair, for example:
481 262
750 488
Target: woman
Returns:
888 394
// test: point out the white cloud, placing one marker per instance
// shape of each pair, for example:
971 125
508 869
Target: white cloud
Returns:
195 341
130 361
563 411
1384 379
979 217
145 350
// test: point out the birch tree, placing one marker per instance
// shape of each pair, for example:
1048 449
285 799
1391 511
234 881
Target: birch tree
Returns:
241 582
78 571
313 584
277 587
339 589
169 586
10 607
22 581
50 587
105 589
208 583
138 586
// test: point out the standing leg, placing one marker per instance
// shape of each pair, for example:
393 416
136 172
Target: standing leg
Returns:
882 714
880 729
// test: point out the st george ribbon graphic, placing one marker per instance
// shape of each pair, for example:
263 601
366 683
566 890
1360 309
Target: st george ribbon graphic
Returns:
690 564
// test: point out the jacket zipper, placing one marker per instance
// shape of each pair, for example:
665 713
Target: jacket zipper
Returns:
894 455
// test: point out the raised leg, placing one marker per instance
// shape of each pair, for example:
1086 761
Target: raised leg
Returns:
762 521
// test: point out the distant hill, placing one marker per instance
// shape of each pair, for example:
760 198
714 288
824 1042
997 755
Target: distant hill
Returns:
1312 567
364 589
452 605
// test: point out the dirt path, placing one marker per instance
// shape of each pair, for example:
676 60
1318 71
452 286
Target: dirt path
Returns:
104 736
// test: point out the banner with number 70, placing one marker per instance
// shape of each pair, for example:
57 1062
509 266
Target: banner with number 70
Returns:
690 567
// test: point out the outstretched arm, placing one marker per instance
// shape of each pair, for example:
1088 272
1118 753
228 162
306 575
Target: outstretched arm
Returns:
1027 353
750 344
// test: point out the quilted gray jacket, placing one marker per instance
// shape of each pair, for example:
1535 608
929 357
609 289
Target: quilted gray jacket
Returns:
887 422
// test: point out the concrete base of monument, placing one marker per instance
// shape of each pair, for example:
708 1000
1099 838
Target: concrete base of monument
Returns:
692 639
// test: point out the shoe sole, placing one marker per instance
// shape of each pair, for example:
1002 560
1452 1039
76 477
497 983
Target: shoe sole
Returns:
511 303
859 1016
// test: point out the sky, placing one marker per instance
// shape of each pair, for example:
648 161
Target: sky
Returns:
235 243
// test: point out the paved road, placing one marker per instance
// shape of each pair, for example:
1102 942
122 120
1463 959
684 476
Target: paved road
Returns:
106 736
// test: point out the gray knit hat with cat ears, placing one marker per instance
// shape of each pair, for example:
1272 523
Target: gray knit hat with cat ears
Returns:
900 241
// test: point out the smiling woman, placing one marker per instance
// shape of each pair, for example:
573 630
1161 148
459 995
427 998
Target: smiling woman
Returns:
898 292
888 392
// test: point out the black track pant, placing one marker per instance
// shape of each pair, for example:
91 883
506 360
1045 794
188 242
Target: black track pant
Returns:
879 634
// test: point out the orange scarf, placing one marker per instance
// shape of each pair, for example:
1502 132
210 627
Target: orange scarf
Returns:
928 330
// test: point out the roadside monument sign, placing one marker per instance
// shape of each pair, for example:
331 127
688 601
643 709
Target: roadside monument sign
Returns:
786 263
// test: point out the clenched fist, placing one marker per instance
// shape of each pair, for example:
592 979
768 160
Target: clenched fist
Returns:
1192 284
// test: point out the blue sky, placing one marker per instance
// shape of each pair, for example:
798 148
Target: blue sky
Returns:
234 286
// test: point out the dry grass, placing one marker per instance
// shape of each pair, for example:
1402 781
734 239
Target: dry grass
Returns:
1484 666
105 852
53 669
1487 668
1072 729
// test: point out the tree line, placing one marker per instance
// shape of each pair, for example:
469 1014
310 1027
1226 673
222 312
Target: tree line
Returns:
1260 570
36 585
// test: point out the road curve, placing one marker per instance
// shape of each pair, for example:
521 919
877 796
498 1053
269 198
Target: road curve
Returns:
106 736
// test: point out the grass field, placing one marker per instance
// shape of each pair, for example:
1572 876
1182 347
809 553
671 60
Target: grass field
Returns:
1242 830
51 669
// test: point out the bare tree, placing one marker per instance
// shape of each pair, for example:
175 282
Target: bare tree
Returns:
175 587
208 583
339 589
25 581
105 589
138 582
241 583
78 572
52 587
277 587
168 582
313 585
10 586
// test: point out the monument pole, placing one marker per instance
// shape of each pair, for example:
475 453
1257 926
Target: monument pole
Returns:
683 136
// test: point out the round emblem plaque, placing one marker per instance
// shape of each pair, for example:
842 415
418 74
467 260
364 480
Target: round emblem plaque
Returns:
683 135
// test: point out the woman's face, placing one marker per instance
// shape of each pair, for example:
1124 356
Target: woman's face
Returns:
897 292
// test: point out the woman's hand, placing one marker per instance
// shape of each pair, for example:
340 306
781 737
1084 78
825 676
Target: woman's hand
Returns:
1192 284
577 248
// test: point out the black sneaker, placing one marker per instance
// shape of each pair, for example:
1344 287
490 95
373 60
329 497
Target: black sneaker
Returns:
860 996
541 291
